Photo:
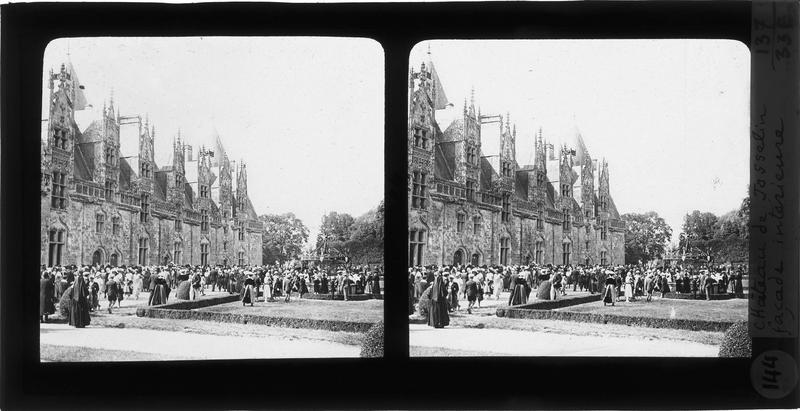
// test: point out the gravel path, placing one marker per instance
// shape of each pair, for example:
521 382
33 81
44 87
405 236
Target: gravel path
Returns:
533 343
182 345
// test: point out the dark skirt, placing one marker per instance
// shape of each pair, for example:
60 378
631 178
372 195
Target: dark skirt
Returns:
46 302
608 294
158 295
182 292
519 295
249 294
78 313
543 292
452 300
438 316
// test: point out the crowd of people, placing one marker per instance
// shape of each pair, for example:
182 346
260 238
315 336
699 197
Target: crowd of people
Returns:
444 288
75 291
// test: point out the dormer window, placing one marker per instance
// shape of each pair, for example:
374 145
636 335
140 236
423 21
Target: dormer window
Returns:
566 190
507 168
421 138
110 156
146 170
203 191
472 155
540 180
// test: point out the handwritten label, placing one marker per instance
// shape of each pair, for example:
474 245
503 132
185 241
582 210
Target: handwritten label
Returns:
774 116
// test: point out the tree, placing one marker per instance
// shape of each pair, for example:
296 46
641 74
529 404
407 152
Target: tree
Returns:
646 236
366 239
335 228
699 229
724 238
283 238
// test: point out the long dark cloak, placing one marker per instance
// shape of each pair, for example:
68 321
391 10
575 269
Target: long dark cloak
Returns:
438 316
79 304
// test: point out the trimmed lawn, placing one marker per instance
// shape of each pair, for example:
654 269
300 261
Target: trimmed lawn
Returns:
354 311
58 353
717 310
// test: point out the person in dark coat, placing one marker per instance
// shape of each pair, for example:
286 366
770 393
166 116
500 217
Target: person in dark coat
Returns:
519 291
79 303
376 285
249 290
664 285
113 292
47 293
94 289
610 292
302 288
411 293
472 292
212 278
160 293
323 284
438 316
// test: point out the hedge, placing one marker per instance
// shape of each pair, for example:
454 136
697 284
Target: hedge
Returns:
680 324
689 296
559 303
286 322
736 342
338 297
201 302
372 344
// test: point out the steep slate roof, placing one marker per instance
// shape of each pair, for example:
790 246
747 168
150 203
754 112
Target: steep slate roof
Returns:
125 172
442 170
161 185
488 174
92 133
82 170
251 211
521 185
187 189
454 132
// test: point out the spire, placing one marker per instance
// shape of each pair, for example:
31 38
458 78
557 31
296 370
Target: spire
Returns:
508 122
472 97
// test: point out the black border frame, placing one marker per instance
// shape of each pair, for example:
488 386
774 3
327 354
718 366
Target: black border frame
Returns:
395 381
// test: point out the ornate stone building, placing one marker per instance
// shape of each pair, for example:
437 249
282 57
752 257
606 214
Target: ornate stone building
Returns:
105 200
470 208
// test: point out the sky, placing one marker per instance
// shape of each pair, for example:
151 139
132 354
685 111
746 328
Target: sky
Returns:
305 114
670 116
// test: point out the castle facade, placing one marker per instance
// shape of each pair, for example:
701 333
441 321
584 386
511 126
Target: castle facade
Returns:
104 200
465 207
